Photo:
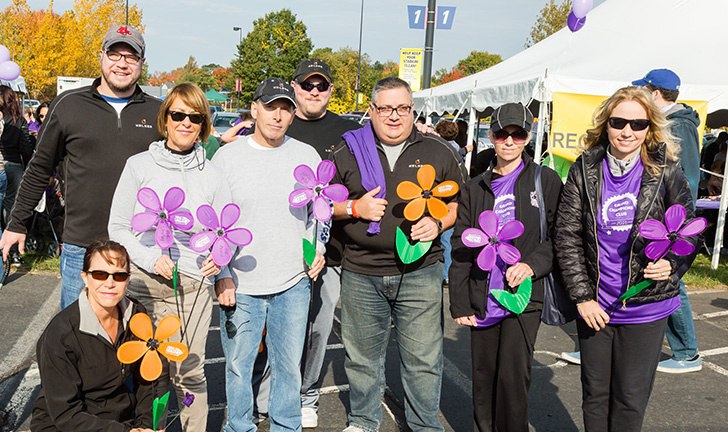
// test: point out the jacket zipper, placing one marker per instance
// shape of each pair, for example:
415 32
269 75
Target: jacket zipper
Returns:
631 249
591 208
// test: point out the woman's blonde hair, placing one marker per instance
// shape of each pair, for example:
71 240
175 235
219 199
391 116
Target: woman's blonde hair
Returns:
657 133
194 97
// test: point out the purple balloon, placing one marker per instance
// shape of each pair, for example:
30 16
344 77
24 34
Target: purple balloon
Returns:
9 70
581 7
575 24
4 54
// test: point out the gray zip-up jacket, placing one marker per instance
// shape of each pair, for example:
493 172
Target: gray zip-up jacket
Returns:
160 169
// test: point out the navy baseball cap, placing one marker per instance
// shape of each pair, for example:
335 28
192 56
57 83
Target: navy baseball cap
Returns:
663 78
271 89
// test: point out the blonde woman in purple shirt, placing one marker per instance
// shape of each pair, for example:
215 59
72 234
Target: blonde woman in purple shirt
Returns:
627 173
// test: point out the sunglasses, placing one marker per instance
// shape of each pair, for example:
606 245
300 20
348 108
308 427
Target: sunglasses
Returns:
519 136
230 328
637 124
308 86
180 116
101 275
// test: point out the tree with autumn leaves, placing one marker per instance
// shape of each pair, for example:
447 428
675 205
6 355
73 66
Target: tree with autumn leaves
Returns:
46 44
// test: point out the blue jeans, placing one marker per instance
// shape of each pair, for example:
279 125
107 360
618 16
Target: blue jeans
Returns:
446 252
680 330
285 316
369 305
71 266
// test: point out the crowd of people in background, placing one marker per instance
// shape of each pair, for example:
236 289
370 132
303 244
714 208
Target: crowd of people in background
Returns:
492 240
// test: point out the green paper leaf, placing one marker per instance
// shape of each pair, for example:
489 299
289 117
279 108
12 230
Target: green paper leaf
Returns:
635 289
309 252
515 302
175 275
409 252
159 406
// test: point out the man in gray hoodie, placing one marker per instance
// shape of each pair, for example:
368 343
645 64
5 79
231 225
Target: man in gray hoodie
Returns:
664 85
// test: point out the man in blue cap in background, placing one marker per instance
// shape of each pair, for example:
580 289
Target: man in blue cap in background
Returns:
664 85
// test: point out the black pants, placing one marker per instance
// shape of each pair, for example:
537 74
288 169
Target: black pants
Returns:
501 357
618 365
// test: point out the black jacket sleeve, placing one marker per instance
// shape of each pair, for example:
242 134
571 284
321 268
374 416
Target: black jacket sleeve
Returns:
462 259
569 236
50 150
678 192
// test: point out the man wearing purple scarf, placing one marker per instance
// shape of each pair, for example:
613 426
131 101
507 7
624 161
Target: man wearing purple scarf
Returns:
376 288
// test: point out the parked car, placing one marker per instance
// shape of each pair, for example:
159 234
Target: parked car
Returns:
31 103
357 116
222 121
483 139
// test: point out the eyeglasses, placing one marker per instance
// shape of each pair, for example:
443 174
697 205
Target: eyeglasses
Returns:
101 275
308 86
386 111
636 124
180 116
129 58
519 136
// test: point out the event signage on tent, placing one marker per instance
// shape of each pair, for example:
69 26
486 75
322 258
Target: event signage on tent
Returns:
621 40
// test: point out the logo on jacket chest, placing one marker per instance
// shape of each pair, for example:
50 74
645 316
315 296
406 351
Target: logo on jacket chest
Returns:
143 124
417 164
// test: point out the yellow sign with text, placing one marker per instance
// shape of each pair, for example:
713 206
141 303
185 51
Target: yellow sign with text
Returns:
572 116
410 66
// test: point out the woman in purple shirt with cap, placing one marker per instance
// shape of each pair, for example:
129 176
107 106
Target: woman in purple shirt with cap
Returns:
502 339
627 173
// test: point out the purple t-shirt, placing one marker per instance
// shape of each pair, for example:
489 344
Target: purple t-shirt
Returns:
614 223
505 207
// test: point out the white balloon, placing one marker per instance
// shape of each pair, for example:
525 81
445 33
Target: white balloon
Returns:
9 70
4 54
581 7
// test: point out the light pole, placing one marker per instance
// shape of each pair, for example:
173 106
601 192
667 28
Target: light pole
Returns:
127 14
358 68
240 32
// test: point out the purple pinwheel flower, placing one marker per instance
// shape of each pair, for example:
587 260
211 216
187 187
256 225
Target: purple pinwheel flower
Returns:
188 399
317 187
492 238
164 217
672 235
220 236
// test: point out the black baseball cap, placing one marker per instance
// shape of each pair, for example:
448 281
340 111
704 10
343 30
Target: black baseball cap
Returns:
309 67
271 89
511 114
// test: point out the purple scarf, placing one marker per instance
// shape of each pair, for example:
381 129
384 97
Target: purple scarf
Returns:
362 145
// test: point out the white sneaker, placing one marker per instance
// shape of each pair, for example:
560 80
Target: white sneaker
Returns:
309 418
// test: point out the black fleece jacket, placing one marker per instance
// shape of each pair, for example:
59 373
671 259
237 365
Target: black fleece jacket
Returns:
83 385
576 225
94 142
468 283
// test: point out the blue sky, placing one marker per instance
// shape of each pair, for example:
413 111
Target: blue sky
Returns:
176 29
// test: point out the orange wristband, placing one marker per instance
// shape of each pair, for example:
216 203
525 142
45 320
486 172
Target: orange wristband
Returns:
353 209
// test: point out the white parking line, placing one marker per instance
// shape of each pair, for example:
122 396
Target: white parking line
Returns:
716 368
712 315
714 351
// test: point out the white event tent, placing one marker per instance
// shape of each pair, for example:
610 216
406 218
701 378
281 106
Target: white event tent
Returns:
620 42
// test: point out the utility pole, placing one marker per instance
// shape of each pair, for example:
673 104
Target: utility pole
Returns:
429 41
358 68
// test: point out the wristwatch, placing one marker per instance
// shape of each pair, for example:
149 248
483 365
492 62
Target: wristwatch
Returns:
348 208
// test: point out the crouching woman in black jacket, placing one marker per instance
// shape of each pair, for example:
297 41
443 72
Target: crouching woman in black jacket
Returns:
502 337
83 385
627 173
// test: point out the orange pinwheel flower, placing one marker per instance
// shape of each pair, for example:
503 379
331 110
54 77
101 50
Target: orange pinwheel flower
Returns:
151 344
426 194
